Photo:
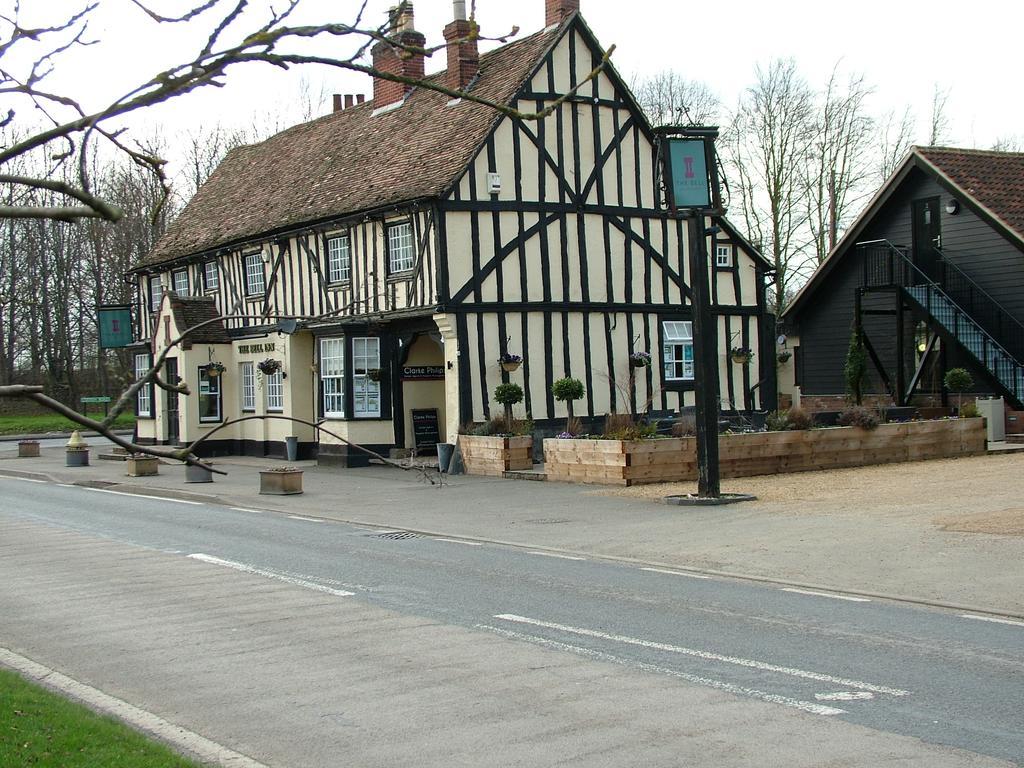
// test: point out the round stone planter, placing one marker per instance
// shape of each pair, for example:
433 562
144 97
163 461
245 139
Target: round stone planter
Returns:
277 483
143 466
194 474
28 449
77 457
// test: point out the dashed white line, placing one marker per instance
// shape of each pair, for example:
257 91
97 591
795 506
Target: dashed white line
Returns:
815 593
307 519
185 740
707 655
806 706
243 509
554 554
676 573
245 568
143 496
993 619
23 479
845 696
459 541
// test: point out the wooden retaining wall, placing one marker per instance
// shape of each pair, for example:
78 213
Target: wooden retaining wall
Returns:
761 453
495 455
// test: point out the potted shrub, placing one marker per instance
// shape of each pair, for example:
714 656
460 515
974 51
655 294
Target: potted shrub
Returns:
510 362
215 369
958 380
784 356
281 481
508 394
639 359
269 366
566 390
742 355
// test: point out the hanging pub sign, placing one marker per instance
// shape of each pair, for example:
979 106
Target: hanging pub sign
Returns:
691 173
115 324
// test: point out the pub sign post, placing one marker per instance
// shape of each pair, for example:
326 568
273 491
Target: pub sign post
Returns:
115 325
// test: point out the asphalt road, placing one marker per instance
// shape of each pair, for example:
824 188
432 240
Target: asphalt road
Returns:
946 678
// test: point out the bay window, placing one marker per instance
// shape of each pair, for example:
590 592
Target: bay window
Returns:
366 391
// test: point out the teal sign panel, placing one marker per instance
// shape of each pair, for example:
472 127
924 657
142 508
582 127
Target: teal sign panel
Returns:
115 327
691 187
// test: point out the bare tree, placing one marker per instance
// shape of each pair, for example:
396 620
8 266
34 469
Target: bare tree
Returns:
1009 144
938 130
668 98
896 137
766 149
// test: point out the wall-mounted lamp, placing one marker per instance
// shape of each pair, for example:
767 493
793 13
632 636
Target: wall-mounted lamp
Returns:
953 207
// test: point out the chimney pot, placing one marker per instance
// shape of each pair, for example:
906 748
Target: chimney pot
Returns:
360 98
557 11
349 100
460 9
337 102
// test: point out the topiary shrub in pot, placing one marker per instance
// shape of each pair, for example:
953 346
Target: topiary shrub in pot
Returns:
567 390
508 394
958 380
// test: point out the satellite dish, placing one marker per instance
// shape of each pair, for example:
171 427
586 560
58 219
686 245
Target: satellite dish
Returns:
781 341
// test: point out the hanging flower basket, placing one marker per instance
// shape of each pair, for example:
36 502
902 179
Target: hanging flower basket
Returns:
269 366
374 374
215 369
742 355
784 356
639 359
510 362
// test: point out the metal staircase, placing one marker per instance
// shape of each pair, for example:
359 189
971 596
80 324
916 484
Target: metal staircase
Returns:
986 331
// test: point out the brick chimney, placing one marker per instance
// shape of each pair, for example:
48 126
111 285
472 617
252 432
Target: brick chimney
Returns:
396 61
463 57
557 11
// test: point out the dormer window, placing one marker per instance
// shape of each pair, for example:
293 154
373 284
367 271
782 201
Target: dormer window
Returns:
400 247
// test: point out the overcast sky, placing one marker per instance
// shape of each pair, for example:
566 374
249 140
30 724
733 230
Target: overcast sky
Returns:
904 49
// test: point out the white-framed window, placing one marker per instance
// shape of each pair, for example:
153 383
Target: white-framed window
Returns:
156 293
339 263
366 392
255 280
247 379
209 396
332 376
677 354
400 247
723 255
274 385
180 282
211 276
144 397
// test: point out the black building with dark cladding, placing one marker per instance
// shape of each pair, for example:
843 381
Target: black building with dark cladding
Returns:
933 274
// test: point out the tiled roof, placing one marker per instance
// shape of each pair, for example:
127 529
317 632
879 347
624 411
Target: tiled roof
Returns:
995 180
349 161
193 310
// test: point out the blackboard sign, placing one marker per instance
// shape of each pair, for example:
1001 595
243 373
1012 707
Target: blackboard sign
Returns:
425 430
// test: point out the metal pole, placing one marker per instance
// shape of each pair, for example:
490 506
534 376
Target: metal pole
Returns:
705 358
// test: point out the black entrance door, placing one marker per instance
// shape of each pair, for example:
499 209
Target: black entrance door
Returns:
927 237
173 430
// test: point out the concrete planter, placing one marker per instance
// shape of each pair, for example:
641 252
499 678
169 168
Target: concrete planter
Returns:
280 483
140 465
28 449
77 457
495 455
194 474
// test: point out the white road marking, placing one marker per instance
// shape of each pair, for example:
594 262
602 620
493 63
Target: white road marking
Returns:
845 696
185 740
993 619
243 509
379 533
806 706
68 485
708 655
23 479
299 582
459 541
143 496
676 573
553 554
307 519
815 593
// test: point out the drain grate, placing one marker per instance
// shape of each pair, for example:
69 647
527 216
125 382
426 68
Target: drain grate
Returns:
395 535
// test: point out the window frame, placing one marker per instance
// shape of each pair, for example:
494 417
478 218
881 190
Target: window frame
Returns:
728 256
174 281
388 229
250 293
247 386
681 342
157 299
215 390
362 380
345 265
146 390
338 380
206 275
273 384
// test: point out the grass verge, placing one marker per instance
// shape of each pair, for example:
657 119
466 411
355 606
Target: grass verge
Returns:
39 728
41 424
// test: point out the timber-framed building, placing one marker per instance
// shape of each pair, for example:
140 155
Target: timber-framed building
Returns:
420 238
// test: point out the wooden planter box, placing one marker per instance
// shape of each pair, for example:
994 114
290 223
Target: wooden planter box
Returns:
495 455
143 466
280 483
616 462
28 449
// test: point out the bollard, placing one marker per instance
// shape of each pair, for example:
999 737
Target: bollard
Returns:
77 451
